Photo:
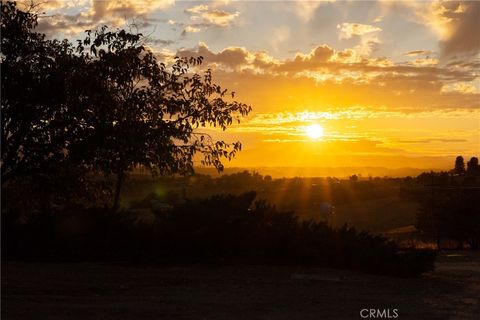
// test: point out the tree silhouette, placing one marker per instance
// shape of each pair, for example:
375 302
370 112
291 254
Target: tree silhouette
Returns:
107 105
139 113
36 80
459 165
472 166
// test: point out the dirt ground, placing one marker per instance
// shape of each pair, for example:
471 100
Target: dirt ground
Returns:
116 291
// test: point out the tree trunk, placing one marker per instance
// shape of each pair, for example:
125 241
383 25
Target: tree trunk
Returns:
118 190
6 177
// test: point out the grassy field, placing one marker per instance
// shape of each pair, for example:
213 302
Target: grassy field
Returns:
374 206
116 291
378 215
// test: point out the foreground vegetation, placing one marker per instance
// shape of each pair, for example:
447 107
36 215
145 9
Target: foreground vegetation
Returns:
225 228
178 219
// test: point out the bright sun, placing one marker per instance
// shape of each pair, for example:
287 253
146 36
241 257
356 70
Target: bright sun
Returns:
314 131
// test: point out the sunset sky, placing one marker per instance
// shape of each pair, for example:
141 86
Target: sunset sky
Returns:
391 84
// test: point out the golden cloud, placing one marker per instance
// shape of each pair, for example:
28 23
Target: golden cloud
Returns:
197 9
203 14
460 87
416 84
191 29
348 30
95 13
425 62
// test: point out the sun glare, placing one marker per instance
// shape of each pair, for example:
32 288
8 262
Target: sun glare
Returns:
314 131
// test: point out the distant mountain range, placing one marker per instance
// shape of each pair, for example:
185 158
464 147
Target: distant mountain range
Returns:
339 172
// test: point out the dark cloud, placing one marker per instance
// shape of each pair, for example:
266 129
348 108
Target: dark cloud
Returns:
464 27
231 56
317 57
418 52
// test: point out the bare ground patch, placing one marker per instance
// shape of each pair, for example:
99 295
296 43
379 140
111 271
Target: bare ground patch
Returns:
115 291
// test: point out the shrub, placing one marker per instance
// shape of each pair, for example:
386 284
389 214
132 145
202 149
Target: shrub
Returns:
226 228
451 213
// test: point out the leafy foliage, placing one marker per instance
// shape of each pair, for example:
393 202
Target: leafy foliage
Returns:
37 81
139 113
105 105
449 203
451 213
459 165
472 167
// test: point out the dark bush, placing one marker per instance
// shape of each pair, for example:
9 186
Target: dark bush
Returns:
451 213
223 228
